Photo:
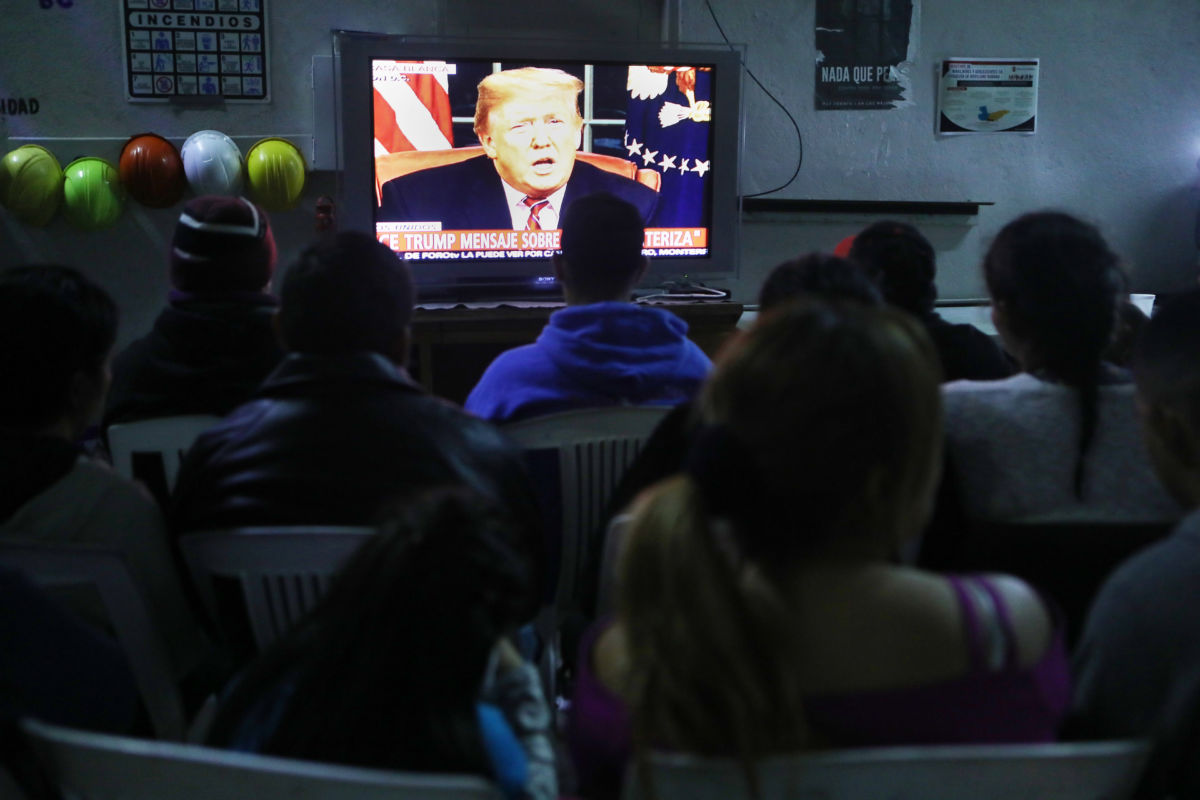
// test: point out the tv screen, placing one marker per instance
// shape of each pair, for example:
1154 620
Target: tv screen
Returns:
462 155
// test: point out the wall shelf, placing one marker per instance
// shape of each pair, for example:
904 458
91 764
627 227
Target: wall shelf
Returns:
787 205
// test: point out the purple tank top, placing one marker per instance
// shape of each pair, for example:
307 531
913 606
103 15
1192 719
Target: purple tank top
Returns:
995 701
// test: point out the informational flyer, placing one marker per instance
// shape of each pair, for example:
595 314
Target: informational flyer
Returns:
863 53
988 95
214 49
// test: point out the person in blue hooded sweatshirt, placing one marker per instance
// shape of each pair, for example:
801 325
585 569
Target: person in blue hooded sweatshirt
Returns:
601 350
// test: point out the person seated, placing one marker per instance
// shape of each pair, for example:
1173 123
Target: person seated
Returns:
813 275
57 329
339 426
601 350
1137 663
1059 441
406 664
529 125
55 668
760 607
213 344
905 265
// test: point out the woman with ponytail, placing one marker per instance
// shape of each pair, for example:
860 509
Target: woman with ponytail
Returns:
760 606
1059 441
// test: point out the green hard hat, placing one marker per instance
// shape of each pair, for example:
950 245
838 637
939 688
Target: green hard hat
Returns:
275 170
31 184
92 193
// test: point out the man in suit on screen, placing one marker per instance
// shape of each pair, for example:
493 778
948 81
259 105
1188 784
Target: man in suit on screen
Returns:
529 124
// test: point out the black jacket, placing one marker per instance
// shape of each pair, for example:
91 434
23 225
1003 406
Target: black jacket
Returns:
329 439
203 356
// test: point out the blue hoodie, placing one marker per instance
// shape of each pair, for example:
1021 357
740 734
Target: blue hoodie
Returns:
602 354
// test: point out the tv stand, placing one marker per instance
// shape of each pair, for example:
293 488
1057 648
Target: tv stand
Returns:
452 346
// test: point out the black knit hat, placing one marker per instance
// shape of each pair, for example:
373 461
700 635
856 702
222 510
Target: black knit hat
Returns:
222 244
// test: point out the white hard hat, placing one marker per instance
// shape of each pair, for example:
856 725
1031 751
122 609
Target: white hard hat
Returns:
212 163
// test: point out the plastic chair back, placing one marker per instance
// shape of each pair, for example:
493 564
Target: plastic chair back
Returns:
1070 771
106 570
95 766
594 447
168 437
282 571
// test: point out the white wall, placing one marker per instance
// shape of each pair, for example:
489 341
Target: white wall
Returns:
1118 140
1118 131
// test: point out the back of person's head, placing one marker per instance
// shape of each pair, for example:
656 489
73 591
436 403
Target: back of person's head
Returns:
902 261
822 437
387 670
1055 284
1166 366
819 274
346 294
57 327
532 82
1131 321
222 244
602 238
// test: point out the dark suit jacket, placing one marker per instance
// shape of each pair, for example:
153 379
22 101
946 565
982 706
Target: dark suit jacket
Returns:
469 195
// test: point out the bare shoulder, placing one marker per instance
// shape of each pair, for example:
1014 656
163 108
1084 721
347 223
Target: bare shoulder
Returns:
1032 623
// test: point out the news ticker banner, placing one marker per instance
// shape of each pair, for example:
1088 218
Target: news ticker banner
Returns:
420 240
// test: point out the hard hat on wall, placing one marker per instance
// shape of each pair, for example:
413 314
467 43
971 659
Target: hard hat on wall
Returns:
276 170
152 171
31 184
93 197
212 163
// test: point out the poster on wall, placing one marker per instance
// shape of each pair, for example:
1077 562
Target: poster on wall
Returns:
864 49
198 50
988 95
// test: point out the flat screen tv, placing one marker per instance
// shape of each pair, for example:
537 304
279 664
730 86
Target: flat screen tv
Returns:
659 126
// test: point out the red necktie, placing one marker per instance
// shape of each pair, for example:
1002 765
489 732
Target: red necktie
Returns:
535 208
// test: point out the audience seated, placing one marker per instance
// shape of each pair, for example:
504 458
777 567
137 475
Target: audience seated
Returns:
760 609
56 331
1138 661
213 344
55 668
340 426
601 350
407 664
905 265
812 275
1060 441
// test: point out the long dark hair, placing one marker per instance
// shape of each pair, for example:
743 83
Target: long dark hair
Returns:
1059 283
386 671
823 426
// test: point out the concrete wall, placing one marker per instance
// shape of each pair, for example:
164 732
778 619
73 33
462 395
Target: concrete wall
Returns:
1117 142
1118 138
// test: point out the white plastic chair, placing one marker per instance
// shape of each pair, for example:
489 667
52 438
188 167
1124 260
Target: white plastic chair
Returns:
1068 771
594 447
94 766
106 570
170 437
283 571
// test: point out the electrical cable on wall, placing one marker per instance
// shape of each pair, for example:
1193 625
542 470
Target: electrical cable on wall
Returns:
775 100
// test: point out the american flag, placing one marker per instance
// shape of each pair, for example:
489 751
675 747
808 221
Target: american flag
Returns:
412 106
667 128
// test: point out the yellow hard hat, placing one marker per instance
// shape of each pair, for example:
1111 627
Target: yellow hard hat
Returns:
31 184
275 169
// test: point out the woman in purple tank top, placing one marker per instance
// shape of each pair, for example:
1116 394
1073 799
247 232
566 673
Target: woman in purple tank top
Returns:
761 607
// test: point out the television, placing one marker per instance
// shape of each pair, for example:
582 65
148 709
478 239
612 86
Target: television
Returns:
661 124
